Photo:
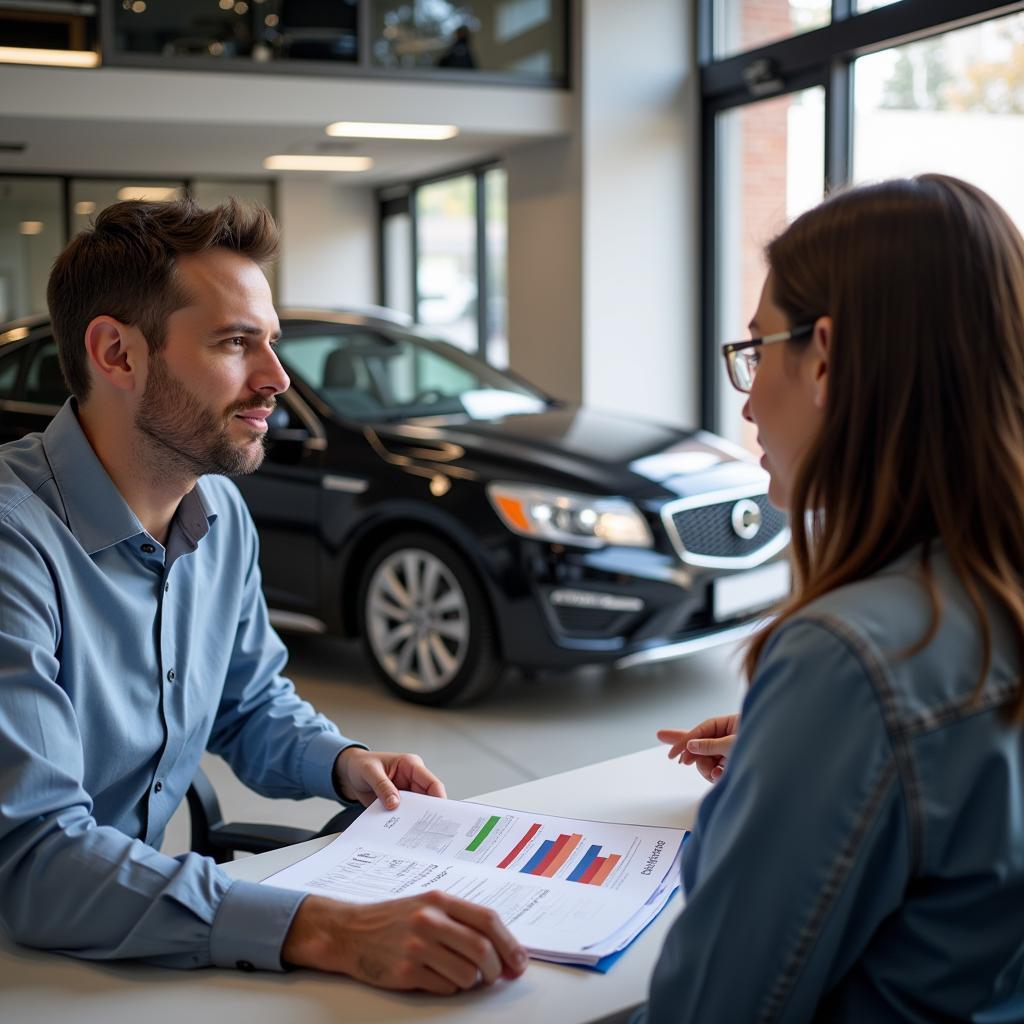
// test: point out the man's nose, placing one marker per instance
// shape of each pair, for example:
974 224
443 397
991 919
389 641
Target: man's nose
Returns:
745 412
269 376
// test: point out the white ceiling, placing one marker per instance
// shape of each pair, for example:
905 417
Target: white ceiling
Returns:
120 148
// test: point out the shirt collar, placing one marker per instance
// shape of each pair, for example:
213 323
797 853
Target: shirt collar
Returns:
94 508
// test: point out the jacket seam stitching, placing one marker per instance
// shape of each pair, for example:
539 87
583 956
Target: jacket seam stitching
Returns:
843 864
899 734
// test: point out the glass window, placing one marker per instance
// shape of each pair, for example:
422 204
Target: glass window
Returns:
398 262
31 236
525 37
258 30
44 382
771 157
446 259
496 233
953 103
869 5
747 24
89 196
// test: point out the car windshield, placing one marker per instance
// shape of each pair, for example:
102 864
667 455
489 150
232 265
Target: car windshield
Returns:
368 375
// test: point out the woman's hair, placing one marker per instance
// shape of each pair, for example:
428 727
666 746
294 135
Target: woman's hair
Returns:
125 267
922 435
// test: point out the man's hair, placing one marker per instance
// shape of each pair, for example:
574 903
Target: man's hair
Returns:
125 267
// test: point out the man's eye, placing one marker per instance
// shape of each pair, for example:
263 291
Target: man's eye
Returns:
238 342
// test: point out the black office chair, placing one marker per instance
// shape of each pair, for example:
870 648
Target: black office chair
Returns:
213 837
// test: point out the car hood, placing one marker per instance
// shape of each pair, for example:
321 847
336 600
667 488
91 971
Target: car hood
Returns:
575 446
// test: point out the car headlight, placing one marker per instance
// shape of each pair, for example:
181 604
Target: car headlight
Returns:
565 518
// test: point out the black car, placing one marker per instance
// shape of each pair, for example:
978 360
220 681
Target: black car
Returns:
459 520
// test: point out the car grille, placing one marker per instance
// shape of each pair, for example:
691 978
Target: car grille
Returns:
704 534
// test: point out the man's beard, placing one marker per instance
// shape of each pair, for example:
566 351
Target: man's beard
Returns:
188 437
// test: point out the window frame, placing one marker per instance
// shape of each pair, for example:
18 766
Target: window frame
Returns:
820 57
398 199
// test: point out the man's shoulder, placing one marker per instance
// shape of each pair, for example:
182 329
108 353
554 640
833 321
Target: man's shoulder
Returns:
24 472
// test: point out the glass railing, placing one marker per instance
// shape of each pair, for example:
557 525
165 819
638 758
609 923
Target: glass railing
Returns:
501 40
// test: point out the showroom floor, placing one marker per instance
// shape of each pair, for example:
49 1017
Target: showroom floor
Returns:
525 728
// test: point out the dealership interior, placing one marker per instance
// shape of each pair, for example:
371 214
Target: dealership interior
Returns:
574 194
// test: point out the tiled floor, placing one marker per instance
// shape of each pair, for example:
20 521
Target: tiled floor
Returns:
524 729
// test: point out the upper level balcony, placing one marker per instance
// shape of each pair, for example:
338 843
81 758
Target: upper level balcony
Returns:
515 42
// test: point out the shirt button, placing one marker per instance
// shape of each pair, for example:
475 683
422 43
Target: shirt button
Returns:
167 587
158 786
244 965
170 675
148 549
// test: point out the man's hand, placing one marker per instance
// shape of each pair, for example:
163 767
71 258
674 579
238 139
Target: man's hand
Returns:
435 942
706 745
366 775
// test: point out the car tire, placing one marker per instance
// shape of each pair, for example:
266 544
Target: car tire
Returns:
425 622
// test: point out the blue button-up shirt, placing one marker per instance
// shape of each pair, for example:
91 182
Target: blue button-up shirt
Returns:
121 660
862 857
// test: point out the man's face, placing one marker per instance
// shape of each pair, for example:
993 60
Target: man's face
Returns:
210 389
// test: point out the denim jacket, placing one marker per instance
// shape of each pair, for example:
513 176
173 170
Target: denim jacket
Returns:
862 857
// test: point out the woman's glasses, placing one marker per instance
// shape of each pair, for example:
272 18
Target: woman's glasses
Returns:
742 357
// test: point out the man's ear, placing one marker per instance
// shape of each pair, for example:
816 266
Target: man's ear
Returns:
819 357
115 352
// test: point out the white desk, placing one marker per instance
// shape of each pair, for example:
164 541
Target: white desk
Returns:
644 788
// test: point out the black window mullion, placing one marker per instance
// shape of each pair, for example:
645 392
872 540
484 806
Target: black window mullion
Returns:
853 36
838 124
481 264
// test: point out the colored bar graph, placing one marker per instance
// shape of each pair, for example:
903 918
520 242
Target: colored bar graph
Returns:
595 865
520 846
562 856
482 834
606 869
537 857
584 865
555 850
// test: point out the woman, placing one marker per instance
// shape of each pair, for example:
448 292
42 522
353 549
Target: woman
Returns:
861 855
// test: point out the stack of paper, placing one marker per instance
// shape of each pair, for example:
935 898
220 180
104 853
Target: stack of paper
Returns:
572 891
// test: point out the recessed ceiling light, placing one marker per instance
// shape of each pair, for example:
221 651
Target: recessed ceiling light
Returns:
85 207
149 193
384 130
298 162
31 227
50 58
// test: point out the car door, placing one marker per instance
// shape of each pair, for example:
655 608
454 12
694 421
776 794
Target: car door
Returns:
32 389
284 497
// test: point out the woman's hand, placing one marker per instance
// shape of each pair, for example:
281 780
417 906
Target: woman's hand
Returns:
706 745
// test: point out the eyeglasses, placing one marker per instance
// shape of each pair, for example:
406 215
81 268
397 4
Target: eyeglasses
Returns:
742 357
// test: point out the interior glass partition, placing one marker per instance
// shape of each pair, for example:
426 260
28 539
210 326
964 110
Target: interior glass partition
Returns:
527 37
31 236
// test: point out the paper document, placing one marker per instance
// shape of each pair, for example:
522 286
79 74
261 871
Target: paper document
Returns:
571 891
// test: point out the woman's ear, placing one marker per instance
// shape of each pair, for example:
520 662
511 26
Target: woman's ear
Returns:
819 356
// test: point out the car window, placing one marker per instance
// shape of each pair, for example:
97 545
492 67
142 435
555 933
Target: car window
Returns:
44 382
367 375
10 363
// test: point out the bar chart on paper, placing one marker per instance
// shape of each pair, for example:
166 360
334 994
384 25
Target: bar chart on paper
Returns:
568 889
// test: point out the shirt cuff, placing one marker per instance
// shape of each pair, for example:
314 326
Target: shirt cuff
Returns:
250 926
318 763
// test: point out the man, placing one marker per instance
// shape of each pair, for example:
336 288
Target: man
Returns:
133 632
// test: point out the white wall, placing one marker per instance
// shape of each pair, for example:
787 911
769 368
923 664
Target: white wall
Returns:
328 244
604 226
545 251
639 129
